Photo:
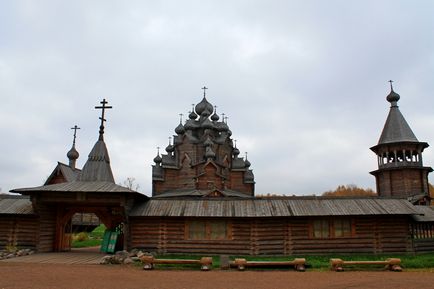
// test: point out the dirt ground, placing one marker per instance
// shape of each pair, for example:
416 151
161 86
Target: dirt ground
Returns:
38 276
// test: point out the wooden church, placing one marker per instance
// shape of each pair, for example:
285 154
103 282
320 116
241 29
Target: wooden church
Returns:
203 200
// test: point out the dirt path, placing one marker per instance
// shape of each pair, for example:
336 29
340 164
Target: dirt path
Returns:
42 276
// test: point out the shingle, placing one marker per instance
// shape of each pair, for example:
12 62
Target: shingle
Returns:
273 207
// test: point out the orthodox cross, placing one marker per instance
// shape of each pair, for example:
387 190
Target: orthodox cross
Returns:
204 90
180 117
391 81
75 133
246 155
170 140
223 117
158 151
103 108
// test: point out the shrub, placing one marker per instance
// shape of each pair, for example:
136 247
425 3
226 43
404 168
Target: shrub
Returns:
82 236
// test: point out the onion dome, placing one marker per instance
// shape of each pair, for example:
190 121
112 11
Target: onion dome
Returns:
235 151
192 115
203 106
158 159
229 132
246 162
170 148
207 124
180 129
215 116
72 154
393 97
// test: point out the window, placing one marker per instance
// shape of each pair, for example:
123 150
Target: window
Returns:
321 229
207 230
332 228
342 228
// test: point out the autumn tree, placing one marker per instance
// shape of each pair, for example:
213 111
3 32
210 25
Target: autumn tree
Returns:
350 190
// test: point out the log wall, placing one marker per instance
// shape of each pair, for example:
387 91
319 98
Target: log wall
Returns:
47 228
273 236
19 231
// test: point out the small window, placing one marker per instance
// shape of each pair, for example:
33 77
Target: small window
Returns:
332 228
197 230
321 229
342 228
207 230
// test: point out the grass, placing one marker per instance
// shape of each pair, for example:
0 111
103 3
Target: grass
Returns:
316 263
92 239
86 243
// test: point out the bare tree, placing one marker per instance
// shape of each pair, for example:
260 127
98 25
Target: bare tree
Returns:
130 183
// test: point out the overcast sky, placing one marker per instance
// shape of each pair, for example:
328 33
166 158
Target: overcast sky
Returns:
303 83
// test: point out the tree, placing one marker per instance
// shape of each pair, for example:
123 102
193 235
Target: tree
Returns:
130 184
350 190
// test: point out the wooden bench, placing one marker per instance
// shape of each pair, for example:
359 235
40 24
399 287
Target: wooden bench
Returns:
149 262
393 264
299 264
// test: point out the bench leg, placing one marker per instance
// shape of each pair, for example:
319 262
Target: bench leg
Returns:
300 267
337 268
395 268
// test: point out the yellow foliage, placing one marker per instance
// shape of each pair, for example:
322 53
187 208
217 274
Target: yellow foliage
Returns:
350 190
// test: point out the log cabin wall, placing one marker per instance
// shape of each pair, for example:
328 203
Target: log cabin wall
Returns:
273 236
20 231
47 228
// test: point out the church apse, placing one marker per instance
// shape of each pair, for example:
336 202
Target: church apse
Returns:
202 160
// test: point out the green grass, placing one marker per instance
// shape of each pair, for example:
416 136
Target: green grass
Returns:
98 232
315 263
86 243
94 238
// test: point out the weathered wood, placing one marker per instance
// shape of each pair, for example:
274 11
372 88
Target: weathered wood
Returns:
149 262
276 236
393 264
298 264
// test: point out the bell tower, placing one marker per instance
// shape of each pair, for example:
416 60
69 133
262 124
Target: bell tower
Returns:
400 170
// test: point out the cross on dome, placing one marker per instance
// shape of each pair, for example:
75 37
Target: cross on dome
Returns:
103 108
204 90
75 134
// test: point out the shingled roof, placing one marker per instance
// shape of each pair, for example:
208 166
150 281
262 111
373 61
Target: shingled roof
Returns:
396 128
273 207
68 173
15 205
97 166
